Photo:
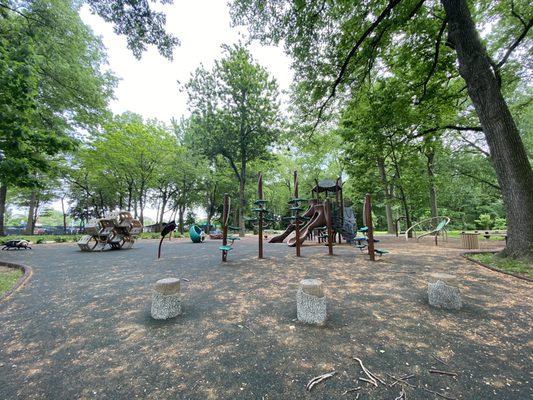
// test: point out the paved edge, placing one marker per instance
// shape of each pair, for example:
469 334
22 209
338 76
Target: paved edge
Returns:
28 272
466 254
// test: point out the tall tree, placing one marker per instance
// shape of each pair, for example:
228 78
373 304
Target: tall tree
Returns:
49 88
336 45
235 113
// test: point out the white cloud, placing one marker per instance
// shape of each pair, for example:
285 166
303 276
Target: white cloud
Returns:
150 86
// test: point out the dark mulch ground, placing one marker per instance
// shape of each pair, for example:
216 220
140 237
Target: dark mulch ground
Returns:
81 327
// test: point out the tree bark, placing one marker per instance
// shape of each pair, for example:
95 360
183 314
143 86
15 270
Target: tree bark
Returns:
64 214
3 198
507 151
181 212
242 200
30 224
388 195
403 198
431 183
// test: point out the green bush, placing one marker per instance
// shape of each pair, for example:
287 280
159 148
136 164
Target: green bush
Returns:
39 241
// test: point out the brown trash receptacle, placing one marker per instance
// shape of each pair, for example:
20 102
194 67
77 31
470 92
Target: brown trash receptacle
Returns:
469 241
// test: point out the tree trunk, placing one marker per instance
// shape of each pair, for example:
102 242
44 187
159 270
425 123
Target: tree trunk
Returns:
31 213
431 183
403 198
507 151
64 214
181 212
242 200
388 196
3 198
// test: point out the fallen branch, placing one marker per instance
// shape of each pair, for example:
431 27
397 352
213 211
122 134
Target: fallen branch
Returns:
402 380
438 394
318 379
250 329
373 382
368 373
436 371
355 389
440 360
401 396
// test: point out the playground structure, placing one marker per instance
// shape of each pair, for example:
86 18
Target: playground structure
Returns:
429 227
368 241
318 217
118 230
315 219
262 219
225 248
196 234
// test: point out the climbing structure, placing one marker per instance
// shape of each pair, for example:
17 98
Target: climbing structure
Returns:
262 219
314 219
118 230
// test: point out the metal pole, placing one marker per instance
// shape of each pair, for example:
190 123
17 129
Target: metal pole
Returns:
370 232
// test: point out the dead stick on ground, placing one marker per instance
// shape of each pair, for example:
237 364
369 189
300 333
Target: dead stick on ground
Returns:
368 373
403 378
318 379
401 396
436 371
439 360
373 382
438 394
249 329
401 381
355 389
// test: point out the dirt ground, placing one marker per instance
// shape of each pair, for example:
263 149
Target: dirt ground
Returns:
81 327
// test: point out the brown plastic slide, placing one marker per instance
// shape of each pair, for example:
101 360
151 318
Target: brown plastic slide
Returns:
318 219
309 213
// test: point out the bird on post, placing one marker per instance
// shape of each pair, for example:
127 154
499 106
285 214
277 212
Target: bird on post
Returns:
170 227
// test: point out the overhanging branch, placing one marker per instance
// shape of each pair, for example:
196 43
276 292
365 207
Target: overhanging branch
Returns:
384 14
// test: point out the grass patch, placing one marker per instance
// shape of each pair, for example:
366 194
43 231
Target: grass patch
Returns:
515 266
8 278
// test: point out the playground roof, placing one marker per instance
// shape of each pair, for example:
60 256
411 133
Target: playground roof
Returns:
327 185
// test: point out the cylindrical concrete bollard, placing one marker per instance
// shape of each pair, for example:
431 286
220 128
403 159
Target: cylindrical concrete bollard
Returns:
166 299
311 302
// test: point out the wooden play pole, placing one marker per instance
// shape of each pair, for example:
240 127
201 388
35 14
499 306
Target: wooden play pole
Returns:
369 225
260 216
296 216
329 224
225 217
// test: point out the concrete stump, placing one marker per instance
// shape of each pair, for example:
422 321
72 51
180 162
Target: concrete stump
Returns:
166 300
311 302
444 296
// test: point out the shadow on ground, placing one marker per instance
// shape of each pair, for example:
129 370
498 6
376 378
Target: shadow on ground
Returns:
81 328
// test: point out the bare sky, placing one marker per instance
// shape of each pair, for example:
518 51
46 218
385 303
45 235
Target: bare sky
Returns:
150 86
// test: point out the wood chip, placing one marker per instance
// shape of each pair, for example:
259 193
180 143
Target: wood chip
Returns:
318 379
399 380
